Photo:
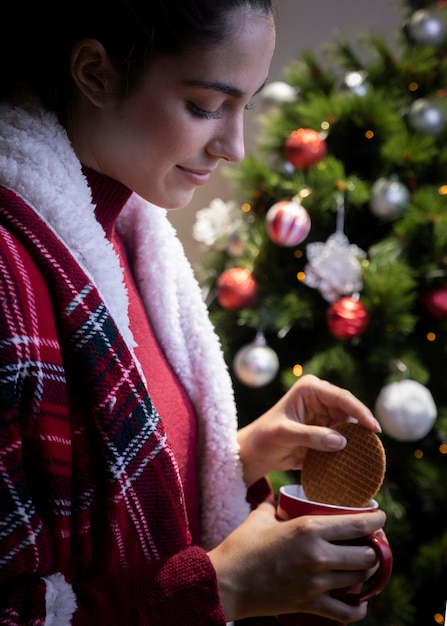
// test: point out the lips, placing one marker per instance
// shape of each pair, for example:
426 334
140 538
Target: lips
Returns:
197 177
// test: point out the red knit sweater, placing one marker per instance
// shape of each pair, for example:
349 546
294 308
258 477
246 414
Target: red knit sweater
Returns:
165 388
167 392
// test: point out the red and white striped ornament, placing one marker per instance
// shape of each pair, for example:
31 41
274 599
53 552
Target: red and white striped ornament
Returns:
287 223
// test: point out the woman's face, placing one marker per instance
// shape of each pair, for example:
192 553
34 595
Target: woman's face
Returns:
169 134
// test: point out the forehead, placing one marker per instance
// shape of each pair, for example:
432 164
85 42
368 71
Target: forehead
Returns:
241 58
250 36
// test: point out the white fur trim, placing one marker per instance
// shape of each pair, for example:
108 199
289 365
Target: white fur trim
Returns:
37 161
174 303
60 601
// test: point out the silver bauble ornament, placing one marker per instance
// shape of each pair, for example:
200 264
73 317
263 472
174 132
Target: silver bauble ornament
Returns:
406 410
256 364
278 92
389 198
426 28
426 117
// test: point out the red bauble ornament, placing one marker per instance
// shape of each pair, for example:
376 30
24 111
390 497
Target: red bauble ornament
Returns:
305 147
347 318
287 223
236 289
435 302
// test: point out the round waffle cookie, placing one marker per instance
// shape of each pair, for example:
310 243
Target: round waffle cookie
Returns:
348 477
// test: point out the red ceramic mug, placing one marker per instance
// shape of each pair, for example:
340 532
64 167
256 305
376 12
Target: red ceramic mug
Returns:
293 503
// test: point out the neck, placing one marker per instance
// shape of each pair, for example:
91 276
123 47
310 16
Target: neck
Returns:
109 196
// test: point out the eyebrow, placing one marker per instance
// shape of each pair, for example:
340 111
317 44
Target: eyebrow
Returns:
222 87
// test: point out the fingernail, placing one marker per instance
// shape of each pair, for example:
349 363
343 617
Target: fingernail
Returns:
378 426
335 441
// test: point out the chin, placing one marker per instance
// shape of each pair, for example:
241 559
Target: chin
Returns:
174 203
170 199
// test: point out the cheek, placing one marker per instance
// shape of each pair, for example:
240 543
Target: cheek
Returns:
157 133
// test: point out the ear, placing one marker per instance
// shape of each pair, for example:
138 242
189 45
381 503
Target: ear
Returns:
92 70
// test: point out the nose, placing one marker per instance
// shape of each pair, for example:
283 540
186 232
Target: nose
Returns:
228 142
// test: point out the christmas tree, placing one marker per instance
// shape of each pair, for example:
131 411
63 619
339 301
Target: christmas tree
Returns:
333 262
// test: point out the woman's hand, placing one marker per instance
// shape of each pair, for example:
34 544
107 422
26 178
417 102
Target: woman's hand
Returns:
271 567
301 419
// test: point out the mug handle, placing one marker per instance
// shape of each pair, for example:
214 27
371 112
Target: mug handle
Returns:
378 581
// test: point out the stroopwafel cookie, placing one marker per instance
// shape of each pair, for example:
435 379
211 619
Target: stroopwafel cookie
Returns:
349 477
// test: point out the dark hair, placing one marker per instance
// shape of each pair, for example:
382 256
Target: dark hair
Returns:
37 54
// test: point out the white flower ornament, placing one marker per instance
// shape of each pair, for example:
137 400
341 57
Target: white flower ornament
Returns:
214 224
334 267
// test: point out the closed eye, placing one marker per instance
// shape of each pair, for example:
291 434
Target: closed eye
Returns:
203 113
213 115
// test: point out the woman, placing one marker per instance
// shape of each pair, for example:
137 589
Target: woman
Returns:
126 490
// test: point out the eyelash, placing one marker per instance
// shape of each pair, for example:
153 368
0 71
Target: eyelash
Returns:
211 115
202 114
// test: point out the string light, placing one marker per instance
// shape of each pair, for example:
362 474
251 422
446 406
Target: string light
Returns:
297 370
431 336
400 367
418 454
442 190
246 207
304 192
369 134
443 448
301 276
